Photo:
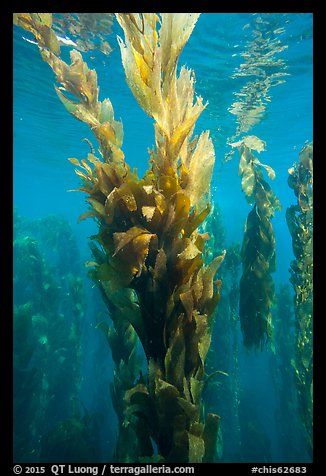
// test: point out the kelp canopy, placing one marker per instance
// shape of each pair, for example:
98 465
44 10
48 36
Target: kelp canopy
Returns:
154 272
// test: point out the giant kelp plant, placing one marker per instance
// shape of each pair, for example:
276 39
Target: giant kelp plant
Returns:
154 271
286 414
300 222
47 323
263 69
258 247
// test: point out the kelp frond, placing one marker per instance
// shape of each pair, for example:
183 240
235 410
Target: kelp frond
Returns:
40 25
79 81
150 60
258 247
300 222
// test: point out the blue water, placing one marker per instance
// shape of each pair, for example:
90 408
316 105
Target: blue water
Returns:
45 135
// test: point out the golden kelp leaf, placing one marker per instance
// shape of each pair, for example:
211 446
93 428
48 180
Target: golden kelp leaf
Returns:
103 181
106 132
160 202
112 173
110 204
174 361
141 246
168 185
195 219
98 207
40 24
189 408
122 193
44 18
198 286
148 212
81 82
195 388
122 239
126 195
200 169
203 336
210 435
106 114
190 251
80 112
201 240
196 428
266 200
270 172
208 277
248 173
81 174
166 395
187 302
150 67
71 106
87 168
93 159
137 54
186 390
160 271
183 129
175 30
248 183
132 248
74 161
196 448
85 215
203 345
148 189
181 204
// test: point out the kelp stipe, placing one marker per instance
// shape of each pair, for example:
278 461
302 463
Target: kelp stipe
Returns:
154 269
300 222
258 246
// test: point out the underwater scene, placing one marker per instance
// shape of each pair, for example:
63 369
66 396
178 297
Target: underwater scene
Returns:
163 237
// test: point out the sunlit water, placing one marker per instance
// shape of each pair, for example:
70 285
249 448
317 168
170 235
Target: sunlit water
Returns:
45 135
